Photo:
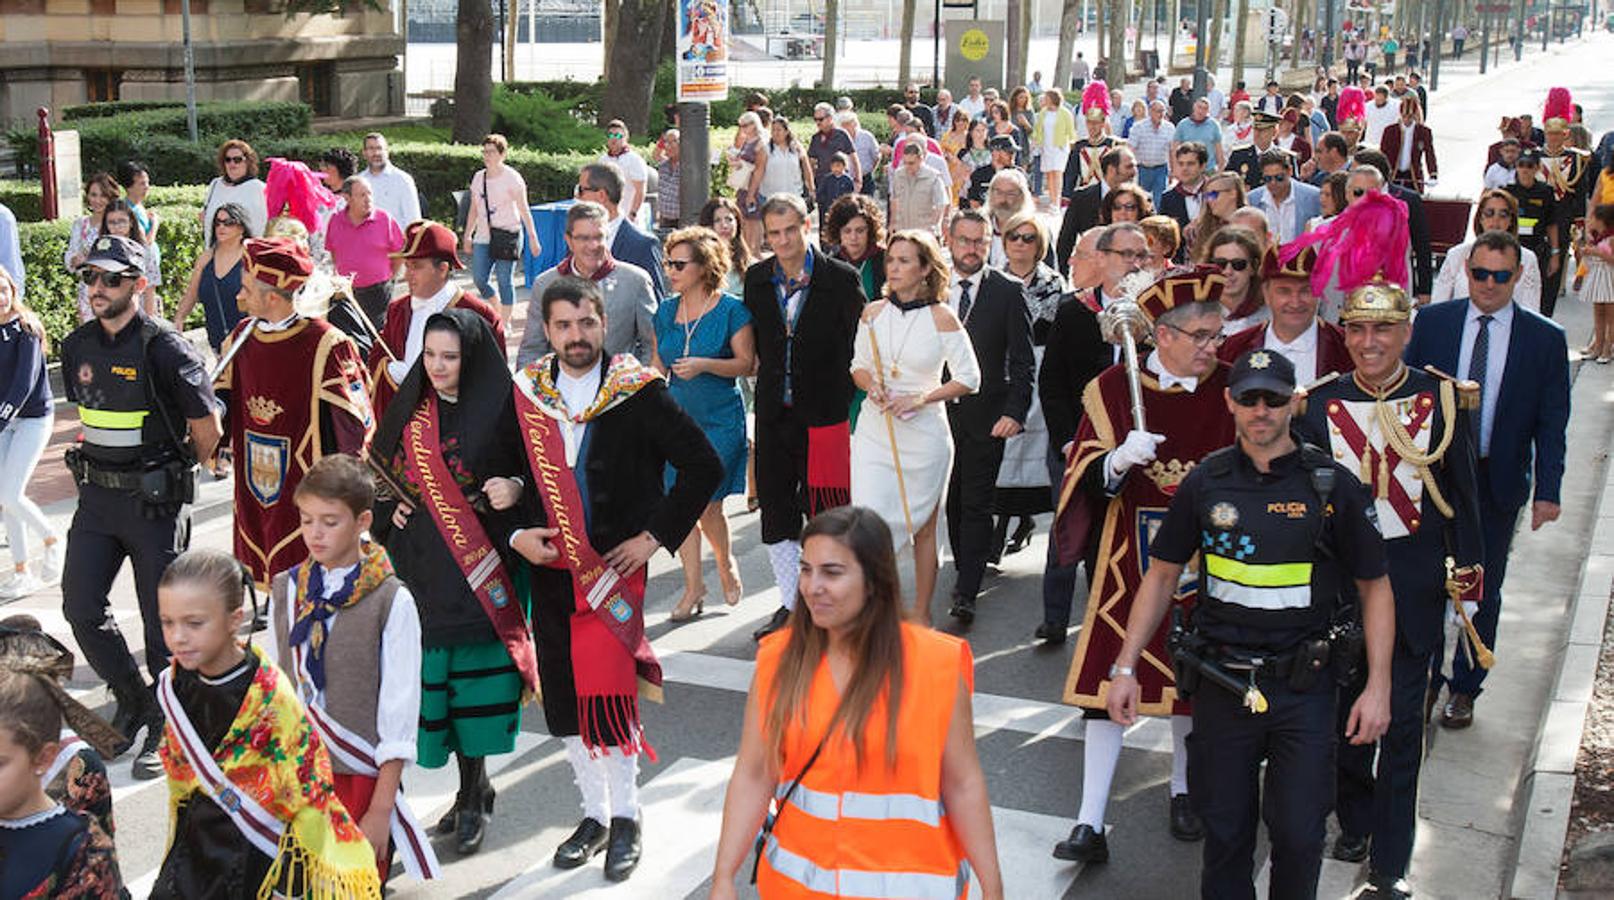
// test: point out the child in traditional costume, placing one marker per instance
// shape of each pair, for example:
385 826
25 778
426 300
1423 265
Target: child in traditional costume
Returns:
252 805
454 462
345 629
46 848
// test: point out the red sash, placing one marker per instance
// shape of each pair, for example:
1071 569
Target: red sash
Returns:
611 659
472 550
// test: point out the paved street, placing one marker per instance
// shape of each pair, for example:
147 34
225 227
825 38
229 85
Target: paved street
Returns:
1030 744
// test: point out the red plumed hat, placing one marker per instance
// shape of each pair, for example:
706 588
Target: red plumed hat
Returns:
1096 101
1352 106
1559 111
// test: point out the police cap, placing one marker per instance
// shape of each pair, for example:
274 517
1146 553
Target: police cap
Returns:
1261 370
112 253
1004 142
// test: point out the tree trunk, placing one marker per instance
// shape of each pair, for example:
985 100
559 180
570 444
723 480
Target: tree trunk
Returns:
1171 39
832 37
1120 18
1027 16
1213 50
473 71
1014 68
633 71
905 55
1070 17
1241 29
608 16
1101 32
1299 14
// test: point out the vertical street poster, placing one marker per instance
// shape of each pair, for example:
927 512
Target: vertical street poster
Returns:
703 50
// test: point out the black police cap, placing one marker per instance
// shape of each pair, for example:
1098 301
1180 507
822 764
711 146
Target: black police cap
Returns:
116 254
1261 370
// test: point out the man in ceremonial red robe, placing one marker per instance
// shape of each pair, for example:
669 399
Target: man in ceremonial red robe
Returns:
1120 478
294 392
1293 328
429 259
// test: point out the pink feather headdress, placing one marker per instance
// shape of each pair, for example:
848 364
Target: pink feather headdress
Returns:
295 189
1559 111
1352 105
1096 101
1369 238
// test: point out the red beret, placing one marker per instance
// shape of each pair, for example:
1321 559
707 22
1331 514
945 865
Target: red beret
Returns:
281 263
425 239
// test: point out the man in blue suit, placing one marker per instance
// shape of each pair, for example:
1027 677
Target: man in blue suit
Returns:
1521 363
602 183
1288 202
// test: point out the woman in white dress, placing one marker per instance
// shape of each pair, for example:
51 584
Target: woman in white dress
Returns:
902 450
1053 133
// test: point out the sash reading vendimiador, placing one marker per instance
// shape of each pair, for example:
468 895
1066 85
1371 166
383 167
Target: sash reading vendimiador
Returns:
611 660
466 540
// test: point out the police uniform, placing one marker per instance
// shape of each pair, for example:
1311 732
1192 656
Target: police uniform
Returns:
1423 484
1274 547
1246 159
135 390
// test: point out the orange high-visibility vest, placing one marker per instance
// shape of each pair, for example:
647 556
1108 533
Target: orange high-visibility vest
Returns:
875 831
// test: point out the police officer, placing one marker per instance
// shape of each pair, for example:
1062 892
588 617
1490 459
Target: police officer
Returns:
148 414
1409 436
1277 525
1246 159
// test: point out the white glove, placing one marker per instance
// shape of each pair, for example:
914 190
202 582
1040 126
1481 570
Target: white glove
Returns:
1138 449
1471 608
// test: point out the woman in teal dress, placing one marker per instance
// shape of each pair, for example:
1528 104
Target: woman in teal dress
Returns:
704 344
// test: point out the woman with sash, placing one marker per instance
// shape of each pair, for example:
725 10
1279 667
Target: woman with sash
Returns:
253 810
453 462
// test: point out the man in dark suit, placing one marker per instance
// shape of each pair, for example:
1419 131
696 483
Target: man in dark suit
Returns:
1116 167
1520 360
1423 266
1409 146
993 308
1181 199
804 307
602 183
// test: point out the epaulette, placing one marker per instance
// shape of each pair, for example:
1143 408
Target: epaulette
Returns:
1304 393
1468 392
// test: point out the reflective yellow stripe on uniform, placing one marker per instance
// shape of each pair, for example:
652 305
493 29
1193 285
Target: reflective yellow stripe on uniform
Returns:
856 805
109 428
860 883
1257 585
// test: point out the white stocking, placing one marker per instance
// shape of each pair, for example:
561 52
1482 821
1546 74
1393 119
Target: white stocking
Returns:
591 778
1101 754
786 559
622 775
1180 727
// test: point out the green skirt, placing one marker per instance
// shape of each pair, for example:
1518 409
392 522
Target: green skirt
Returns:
470 702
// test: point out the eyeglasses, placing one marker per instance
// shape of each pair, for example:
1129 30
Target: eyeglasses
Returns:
1280 178
1200 339
110 279
222 221
1357 192
820 118
1024 237
235 159
1222 262
585 238
1269 399
582 189
1129 255
1210 195
1500 276
1125 207
678 265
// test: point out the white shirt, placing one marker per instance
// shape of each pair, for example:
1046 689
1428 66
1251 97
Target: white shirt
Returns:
955 290
1285 216
578 394
633 170
397 711
1379 118
1452 279
392 190
1217 101
1499 176
415 341
1496 359
1189 383
1404 162
975 106
1302 351
612 227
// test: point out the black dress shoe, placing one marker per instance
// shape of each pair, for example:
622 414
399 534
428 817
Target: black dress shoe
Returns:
1384 888
1022 536
585 842
1459 712
147 763
622 855
1350 848
781 617
473 827
1185 823
450 822
963 609
1083 845
1049 633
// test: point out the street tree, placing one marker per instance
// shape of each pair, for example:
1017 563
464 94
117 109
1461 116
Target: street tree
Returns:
905 55
1070 18
473 71
832 37
633 70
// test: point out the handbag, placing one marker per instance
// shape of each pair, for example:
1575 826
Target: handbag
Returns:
740 174
767 824
503 243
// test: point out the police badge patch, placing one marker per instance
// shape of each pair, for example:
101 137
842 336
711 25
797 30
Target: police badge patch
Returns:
1224 515
267 460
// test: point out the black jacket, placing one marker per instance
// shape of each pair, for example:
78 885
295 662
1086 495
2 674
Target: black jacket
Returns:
1080 215
821 358
1423 264
1175 205
999 325
1075 354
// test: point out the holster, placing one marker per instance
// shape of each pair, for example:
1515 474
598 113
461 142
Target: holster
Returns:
1181 643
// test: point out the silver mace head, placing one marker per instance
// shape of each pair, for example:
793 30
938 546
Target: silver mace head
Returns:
1123 317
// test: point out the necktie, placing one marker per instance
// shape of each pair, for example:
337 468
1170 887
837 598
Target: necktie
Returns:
965 301
1477 364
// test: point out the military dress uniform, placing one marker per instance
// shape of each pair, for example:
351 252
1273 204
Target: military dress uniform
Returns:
1245 159
1274 548
1411 443
1083 168
135 475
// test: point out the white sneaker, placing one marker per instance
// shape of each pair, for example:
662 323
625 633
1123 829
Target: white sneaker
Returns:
21 584
50 569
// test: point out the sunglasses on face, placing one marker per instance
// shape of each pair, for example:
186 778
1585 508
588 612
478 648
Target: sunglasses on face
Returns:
222 221
235 159
1023 237
1500 276
1357 192
1270 400
1211 195
820 118
110 279
615 134
1126 207
678 265
1237 265
1275 179
582 189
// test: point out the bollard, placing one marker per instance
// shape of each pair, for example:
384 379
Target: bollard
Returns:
47 166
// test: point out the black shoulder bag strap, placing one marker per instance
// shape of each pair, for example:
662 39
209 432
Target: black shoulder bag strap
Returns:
767 824
487 205
149 330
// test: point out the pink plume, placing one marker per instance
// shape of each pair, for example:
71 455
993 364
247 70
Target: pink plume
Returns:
294 188
1097 94
1352 104
1559 105
1369 238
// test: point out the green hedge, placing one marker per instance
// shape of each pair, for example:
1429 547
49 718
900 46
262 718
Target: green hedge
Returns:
157 136
52 291
116 108
23 197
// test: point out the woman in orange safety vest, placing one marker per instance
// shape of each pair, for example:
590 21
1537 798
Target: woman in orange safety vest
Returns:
859 727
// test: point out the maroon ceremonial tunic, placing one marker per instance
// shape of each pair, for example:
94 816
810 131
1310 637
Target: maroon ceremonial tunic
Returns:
294 397
1194 424
1332 355
395 335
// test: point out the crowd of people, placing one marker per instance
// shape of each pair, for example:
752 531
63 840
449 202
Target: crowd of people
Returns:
444 533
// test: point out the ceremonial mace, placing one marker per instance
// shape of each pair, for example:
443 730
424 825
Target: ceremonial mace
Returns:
224 361
1123 323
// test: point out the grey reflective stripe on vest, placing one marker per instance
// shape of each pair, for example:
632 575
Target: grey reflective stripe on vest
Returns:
112 437
853 805
856 883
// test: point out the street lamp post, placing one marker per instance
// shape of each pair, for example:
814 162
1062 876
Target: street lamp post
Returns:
1200 56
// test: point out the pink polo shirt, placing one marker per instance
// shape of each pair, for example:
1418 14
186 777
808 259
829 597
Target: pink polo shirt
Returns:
361 250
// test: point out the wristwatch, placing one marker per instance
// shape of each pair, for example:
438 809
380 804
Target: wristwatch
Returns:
1128 671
